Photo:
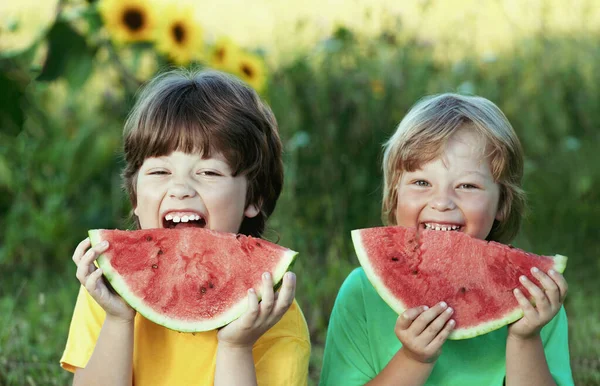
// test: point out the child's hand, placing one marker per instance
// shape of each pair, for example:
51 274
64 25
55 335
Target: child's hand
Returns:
547 303
91 278
245 331
423 331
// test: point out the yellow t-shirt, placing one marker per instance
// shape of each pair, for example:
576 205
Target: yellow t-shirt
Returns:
166 357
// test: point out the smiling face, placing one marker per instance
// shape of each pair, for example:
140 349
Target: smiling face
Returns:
454 192
184 190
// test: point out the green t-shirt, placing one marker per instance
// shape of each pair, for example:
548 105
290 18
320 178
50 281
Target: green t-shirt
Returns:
361 341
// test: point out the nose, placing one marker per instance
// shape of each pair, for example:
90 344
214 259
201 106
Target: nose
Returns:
442 201
181 189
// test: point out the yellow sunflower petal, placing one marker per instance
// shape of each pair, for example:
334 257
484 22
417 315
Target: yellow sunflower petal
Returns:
180 36
251 69
129 20
225 55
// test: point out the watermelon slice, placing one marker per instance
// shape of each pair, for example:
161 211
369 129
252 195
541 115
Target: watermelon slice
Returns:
189 279
473 276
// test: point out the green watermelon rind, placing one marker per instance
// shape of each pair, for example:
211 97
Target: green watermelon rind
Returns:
136 303
560 263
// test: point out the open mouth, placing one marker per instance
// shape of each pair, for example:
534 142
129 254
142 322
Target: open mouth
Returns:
441 227
176 220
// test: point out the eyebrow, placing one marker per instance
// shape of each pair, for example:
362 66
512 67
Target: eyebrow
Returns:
475 172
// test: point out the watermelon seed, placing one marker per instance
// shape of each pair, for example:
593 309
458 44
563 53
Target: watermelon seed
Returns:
257 244
463 290
414 271
160 252
237 237
154 266
203 290
211 285
148 238
394 259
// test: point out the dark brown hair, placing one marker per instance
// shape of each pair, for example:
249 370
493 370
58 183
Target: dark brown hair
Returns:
208 112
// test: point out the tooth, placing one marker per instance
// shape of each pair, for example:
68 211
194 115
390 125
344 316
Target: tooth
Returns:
176 219
437 228
196 217
168 217
185 219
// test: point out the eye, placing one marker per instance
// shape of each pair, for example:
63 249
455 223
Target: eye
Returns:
158 172
468 186
209 173
422 183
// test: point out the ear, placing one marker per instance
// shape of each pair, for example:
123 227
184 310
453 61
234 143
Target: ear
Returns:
251 211
501 212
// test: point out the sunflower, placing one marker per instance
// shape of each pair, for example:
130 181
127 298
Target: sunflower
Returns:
180 36
224 55
24 22
251 69
129 20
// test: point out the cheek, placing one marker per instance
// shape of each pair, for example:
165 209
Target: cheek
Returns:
407 209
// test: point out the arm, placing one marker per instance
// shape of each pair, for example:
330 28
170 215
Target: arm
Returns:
114 351
114 348
235 363
525 357
422 332
351 357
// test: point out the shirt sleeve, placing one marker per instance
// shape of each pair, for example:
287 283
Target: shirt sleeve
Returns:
347 354
555 336
281 355
86 323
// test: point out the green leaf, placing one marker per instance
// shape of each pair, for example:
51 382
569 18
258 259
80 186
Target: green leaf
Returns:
68 56
12 100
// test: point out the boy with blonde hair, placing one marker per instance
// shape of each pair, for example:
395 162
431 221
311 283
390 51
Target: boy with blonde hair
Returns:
453 164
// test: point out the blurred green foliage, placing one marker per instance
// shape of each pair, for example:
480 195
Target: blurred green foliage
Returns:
60 163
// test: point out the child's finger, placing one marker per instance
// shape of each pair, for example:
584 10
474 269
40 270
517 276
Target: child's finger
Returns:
80 249
561 283
407 317
550 287
251 314
85 266
442 336
267 302
91 281
528 309
436 326
423 320
541 300
285 297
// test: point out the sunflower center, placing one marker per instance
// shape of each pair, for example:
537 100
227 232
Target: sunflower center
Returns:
220 54
133 19
178 33
247 70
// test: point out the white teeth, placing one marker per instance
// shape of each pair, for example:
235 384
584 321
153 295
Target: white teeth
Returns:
185 219
442 227
196 217
168 217
176 219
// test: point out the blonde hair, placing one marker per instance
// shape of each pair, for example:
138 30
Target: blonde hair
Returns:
422 135
207 112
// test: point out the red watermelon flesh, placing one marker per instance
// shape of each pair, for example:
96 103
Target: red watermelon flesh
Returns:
475 277
188 279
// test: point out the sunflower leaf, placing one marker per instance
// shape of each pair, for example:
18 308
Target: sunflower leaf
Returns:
68 55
